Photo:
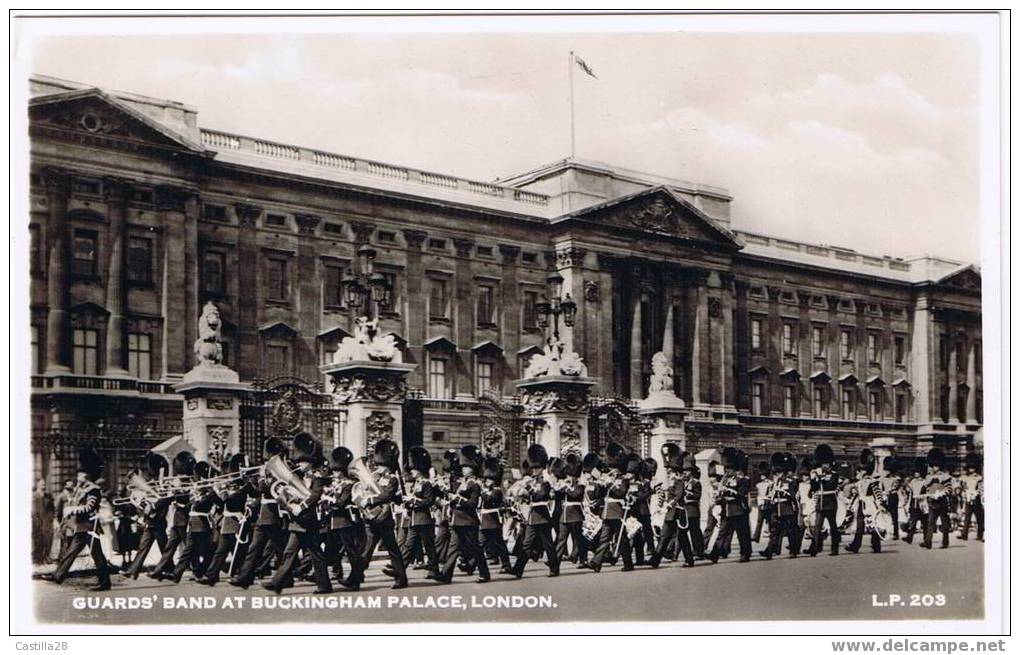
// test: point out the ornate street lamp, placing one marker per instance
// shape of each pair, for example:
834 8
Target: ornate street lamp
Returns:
559 306
367 288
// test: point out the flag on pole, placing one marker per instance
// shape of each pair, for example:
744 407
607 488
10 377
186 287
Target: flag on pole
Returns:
584 66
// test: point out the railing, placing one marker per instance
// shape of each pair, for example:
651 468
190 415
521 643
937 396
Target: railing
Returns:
807 422
827 252
224 141
98 383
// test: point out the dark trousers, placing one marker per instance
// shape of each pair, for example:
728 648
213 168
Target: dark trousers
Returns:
937 512
543 535
311 544
977 510
379 532
741 526
464 544
784 526
644 538
493 542
714 525
697 538
152 534
671 531
349 542
892 505
79 542
224 547
166 562
265 538
442 540
764 515
420 541
197 553
612 530
917 517
859 529
573 531
823 516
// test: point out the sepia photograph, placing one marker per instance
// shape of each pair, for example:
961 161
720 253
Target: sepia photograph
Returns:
675 322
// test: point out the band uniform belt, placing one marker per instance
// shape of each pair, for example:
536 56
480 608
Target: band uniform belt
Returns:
572 503
490 510
205 514
268 501
233 515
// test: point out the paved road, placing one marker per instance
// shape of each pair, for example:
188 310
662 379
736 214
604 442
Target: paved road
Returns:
821 588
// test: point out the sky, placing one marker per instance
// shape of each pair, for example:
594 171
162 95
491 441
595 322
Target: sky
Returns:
867 141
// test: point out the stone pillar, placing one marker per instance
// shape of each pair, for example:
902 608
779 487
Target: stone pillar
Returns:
971 382
835 358
115 193
308 307
636 350
600 300
727 368
953 382
464 322
704 459
882 447
179 280
666 413
372 393
510 316
700 336
249 355
212 409
192 208
570 265
773 340
417 321
58 322
560 404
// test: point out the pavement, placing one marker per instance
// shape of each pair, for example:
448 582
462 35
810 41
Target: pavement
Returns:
903 582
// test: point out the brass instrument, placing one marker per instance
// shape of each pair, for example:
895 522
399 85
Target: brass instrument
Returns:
366 486
288 488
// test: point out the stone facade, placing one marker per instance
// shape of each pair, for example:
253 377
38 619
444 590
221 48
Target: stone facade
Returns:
139 217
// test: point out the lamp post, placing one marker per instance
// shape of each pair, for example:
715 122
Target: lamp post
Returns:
556 307
367 288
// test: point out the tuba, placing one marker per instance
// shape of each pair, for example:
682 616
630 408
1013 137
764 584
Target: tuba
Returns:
288 488
366 486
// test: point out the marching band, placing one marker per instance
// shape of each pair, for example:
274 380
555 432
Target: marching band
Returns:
302 513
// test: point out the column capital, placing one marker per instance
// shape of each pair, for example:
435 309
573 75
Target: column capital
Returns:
463 246
415 238
247 213
774 292
171 198
741 285
307 223
696 276
362 231
510 254
56 180
116 189
833 300
570 256
803 298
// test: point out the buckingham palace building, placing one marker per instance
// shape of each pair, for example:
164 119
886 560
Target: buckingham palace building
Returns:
140 216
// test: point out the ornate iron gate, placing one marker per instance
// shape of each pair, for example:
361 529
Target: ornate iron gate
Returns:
282 407
505 430
413 425
614 418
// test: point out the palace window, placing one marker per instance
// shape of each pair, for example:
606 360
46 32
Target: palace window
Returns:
386 237
875 405
276 220
788 345
819 404
486 307
530 317
818 341
214 272
756 333
483 377
85 253
961 355
139 260
395 300
277 359
529 257
944 404
789 400
901 407
758 398
215 212
873 353
35 350
35 261
333 228
438 387
277 279
484 251
332 286
437 244
438 299
846 349
140 355
86 352
900 348
943 354
962 394
847 409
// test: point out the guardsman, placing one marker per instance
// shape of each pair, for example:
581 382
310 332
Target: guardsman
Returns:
676 523
490 514
785 510
153 516
302 496
973 493
445 483
824 495
641 494
691 475
346 530
375 496
83 508
537 495
421 532
464 521
233 523
268 538
865 503
936 492
184 467
890 482
613 537
198 547
761 501
572 515
734 488
917 508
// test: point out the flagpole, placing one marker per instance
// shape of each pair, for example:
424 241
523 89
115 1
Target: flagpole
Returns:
570 69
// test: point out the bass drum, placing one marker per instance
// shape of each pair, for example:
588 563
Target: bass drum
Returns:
882 524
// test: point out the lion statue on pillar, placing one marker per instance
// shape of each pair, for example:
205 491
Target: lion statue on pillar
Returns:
208 347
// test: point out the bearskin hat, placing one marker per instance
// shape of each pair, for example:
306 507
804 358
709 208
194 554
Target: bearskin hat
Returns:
614 454
731 458
469 455
492 469
451 460
340 458
386 453
537 456
867 461
91 463
777 462
274 446
936 457
806 464
573 466
184 463
558 467
202 470
154 464
824 455
237 462
669 452
791 462
307 448
590 462
649 467
973 461
890 464
763 467
632 465
920 465
418 459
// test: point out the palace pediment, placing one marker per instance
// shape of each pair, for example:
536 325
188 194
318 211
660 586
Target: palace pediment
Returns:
967 278
93 113
660 211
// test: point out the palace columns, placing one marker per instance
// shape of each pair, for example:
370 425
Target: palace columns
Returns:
637 356
309 296
510 317
416 320
116 192
569 264
701 337
58 325
247 303
179 216
971 406
953 382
